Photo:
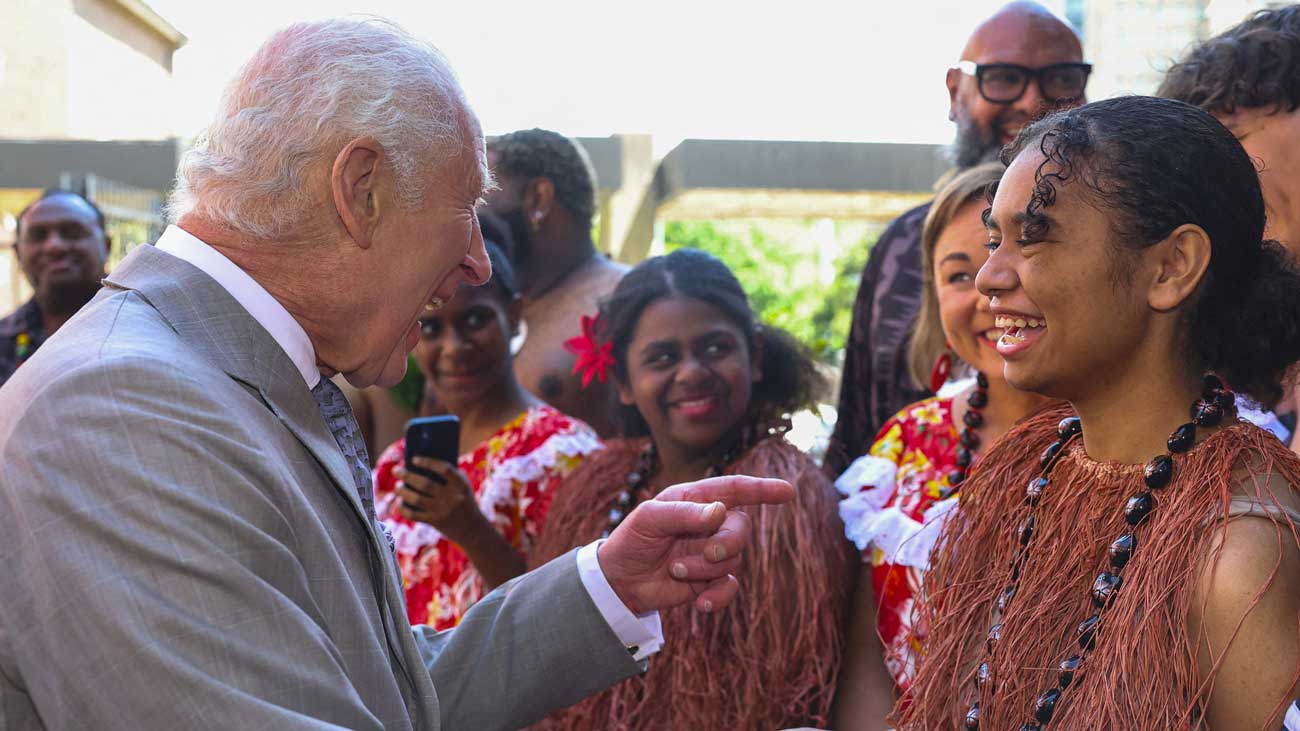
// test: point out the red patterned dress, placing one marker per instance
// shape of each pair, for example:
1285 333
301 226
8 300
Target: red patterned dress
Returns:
514 474
893 513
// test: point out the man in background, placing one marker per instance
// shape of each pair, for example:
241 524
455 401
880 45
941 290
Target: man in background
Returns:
188 528
1248 77
1019 64
547 196
61 247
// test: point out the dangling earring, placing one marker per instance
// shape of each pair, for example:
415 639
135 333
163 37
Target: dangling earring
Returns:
942 368
535 223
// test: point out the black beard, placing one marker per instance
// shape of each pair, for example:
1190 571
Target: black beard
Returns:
65 299
973 145
522 246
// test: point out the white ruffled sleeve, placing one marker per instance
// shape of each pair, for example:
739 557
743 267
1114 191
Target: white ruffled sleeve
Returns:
871 521
867 486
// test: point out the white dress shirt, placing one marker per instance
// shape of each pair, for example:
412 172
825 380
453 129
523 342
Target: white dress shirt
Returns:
642 632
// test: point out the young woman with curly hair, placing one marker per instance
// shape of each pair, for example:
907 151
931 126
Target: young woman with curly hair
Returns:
1130 560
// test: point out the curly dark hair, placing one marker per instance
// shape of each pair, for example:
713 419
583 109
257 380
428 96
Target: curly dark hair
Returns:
541 153
1154 165
1255 63
790 379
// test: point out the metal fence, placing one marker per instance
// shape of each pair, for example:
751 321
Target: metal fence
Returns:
132 216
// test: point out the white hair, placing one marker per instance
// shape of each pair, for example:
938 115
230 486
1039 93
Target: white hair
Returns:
307 91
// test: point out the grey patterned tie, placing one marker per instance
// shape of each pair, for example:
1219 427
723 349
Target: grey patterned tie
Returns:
338 415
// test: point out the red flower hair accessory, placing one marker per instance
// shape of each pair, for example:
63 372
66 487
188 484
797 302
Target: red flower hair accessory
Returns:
594 357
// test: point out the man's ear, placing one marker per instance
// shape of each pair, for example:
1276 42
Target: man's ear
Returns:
953 82
539 201
354 183
1181 261
756 357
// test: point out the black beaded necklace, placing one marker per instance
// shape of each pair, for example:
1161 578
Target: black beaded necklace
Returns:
648 460
969 438
1216 401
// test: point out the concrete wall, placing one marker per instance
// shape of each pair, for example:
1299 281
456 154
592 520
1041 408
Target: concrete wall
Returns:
83 69
119 75
33 69
1131 43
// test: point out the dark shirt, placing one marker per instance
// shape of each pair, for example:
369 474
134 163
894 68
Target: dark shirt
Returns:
876 384
24 320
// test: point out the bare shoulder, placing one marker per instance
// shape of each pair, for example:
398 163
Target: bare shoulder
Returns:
1250 554
1243 620
1252 567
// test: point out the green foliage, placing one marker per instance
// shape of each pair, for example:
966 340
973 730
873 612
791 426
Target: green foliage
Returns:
796 278
410 389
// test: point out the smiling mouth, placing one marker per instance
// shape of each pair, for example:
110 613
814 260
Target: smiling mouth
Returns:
696 405
459 376
1016 329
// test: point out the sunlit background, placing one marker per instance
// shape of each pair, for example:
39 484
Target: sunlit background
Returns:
780 136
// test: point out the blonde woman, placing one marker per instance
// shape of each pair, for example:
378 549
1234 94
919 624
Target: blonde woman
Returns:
896 495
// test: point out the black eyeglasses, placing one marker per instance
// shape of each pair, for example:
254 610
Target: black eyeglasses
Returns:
1004 83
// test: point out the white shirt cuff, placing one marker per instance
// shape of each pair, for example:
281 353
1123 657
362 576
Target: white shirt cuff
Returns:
642 634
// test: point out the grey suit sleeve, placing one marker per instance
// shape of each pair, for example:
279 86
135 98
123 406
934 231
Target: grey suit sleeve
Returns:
535 644
148 582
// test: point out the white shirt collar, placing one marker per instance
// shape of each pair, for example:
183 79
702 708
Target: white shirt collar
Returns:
250 295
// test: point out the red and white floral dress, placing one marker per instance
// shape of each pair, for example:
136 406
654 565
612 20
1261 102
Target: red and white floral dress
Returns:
893 513
514 474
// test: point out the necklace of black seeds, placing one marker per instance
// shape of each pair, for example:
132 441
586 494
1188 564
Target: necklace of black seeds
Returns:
969 439
649 459
1215 402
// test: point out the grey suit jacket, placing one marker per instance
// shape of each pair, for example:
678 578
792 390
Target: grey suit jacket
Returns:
182 547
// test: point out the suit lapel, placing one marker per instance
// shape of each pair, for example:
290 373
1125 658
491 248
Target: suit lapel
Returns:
208 319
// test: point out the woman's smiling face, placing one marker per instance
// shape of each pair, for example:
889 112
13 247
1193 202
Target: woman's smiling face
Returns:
690 373
464 348
959 252
1069 316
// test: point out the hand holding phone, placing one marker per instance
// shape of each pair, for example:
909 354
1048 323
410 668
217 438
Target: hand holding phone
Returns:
433 490
432 436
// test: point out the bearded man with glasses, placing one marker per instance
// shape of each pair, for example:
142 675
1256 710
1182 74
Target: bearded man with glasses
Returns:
1019 64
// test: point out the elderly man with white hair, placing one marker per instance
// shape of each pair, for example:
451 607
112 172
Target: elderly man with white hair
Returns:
186 523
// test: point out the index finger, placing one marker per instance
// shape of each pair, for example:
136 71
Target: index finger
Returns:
732 491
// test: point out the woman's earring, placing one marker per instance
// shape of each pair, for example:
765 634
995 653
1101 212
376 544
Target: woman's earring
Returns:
942 368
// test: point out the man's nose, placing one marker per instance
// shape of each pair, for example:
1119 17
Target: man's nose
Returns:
1032 103
476 267
55 242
